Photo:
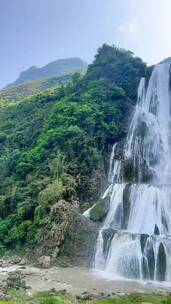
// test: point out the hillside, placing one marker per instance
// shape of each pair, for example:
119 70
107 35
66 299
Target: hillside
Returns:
56 68
55 149
18 92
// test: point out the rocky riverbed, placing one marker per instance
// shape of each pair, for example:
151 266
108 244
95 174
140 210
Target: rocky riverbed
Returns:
77 281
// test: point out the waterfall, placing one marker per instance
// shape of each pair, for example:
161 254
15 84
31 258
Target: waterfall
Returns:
134 241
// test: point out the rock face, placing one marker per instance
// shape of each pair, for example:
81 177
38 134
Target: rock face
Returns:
79 243
77 247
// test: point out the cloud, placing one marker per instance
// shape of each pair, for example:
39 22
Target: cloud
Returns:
128 27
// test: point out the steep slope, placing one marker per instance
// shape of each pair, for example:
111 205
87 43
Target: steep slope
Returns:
55 147
57 68
18 92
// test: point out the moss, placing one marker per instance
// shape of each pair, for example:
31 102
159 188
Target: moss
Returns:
99 210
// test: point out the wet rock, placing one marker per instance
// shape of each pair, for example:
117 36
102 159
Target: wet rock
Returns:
129 171
143 239
107 238
126 205
150 259
99 210
161 263
145 268
156 230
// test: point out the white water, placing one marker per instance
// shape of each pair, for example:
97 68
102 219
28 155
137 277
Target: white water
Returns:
134 241
114 167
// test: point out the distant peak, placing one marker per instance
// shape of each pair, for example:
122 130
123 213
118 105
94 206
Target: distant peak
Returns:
56 68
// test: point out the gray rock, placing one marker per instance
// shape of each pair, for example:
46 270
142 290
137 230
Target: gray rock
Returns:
45 261
55 253
15 259
23 262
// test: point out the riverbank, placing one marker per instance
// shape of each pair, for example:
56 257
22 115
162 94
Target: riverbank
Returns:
78 281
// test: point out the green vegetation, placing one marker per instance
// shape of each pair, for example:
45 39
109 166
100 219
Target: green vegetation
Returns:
99 210
53 147
17 93
58 298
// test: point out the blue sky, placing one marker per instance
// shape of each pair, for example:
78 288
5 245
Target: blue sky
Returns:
35 32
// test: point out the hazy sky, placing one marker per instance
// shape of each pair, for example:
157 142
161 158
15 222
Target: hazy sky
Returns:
35 32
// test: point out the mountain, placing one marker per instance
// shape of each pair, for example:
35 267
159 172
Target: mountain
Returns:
56 68
18 92
55 148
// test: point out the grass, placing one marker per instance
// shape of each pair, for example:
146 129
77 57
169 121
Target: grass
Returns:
53 297
134 299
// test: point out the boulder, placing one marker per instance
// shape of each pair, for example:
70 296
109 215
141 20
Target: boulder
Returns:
79 244
23 261
45 261
100 210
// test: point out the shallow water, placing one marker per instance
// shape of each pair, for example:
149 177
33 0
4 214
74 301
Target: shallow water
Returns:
77 280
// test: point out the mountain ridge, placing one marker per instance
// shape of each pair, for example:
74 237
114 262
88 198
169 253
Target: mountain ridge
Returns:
56 68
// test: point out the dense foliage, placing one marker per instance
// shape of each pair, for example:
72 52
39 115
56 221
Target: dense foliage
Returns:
53 147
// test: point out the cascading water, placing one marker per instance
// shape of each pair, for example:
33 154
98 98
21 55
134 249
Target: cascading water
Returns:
135 239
